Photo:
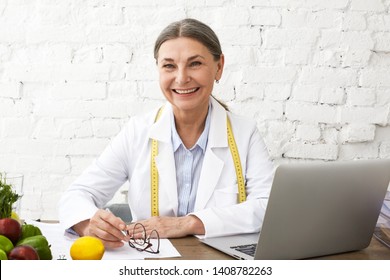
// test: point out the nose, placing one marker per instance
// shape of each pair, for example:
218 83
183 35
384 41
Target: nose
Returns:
182 76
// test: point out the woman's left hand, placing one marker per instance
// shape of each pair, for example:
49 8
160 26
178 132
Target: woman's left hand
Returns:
170 227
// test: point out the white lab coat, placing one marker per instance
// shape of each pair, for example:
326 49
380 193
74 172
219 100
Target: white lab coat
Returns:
128 158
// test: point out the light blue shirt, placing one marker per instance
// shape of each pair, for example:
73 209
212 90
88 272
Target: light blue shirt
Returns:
188 166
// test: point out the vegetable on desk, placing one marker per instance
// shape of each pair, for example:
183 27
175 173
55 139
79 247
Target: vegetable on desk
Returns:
19 242
30 230
7 198
40 244
29 239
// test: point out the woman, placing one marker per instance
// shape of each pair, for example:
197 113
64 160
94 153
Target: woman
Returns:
196 181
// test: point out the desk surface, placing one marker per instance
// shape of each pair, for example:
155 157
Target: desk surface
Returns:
191 248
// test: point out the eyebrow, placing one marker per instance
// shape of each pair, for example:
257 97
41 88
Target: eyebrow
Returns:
189 59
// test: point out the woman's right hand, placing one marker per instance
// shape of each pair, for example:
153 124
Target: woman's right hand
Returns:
105 226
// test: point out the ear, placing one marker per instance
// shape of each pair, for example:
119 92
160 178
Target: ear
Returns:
220 65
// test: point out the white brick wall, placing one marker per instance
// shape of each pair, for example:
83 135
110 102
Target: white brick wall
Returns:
314 74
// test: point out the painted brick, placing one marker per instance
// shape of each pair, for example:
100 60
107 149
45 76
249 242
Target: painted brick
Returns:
380 59
105 129
79 91
356 58
270 74
16 127
363 5
248 91
378 22
330 135
354 133
261 16
382 41
297 56
361 97
383 97
375 78
371 115
277 92
311 113
384 149
349 40
329 76
355 21
332 96
10 90
311 151
313 74
308 132
258 109
286 38
359 151
15 108
306 93
73 128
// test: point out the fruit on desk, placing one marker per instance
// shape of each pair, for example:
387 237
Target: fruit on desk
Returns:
87 248
30 230
15 216
3 255
10 228
40 244
23 252
5 244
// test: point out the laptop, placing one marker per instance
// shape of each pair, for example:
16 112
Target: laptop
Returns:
315 209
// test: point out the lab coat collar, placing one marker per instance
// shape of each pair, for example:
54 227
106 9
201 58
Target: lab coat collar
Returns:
218 126
161 129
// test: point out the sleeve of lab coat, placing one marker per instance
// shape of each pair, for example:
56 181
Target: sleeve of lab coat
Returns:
98 183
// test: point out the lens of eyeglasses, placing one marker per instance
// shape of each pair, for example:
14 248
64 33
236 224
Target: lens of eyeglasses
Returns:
154 239
139 234
141 242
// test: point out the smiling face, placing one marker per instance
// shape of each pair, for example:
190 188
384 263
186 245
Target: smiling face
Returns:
187 73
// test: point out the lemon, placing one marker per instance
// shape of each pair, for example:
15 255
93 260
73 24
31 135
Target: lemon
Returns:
15 216
87 248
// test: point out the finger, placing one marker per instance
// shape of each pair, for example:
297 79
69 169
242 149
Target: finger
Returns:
136 231
110 226
112 244
104 235
150 225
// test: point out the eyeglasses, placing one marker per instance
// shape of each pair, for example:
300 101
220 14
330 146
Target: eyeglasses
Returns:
144 244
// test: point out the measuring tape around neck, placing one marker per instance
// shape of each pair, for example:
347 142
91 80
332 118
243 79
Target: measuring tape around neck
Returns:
237 163
233 151
154 172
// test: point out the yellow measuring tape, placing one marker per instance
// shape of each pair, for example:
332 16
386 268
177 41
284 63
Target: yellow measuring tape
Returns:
154 172
237 163
233 151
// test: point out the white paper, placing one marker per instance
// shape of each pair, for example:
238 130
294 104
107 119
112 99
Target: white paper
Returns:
61 242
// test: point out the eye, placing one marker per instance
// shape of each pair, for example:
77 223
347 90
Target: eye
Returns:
168 66
195 63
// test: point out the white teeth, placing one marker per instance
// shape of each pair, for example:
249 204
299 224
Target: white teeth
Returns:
186 91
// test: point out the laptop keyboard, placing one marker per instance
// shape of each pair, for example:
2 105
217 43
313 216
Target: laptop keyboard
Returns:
248 249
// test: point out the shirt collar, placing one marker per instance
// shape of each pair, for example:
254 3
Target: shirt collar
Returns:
202 140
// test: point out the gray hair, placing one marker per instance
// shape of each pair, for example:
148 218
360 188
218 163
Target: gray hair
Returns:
190 28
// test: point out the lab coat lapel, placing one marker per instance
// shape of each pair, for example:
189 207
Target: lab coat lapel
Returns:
212 164
165 161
